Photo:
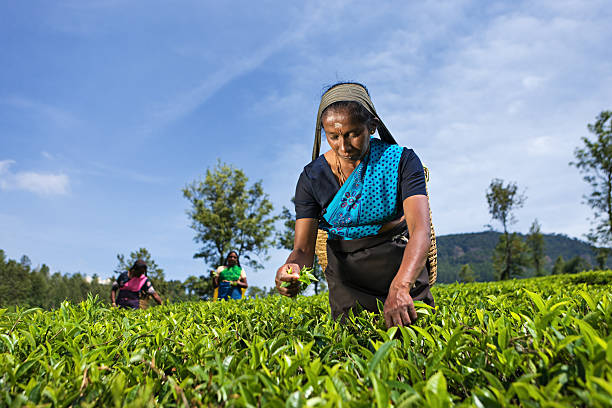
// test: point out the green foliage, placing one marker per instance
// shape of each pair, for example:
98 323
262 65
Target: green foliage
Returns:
601 257
476 249
286 236
559 266
594 160
228 215
575 265
510 257
25 286
154 272
305 279
535 246
200 287
257 292
466 274
503 200
540 342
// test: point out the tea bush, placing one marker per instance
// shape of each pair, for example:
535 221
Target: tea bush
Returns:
541 342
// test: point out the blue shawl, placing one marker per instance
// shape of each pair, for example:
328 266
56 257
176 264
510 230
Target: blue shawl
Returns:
368 198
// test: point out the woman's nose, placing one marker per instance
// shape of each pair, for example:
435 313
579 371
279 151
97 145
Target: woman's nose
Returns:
343 145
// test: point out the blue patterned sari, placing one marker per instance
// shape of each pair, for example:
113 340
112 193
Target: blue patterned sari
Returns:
368 198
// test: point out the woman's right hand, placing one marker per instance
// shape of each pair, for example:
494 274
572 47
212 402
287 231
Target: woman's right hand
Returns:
283 275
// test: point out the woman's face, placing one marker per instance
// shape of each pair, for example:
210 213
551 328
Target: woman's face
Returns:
347 137
232 259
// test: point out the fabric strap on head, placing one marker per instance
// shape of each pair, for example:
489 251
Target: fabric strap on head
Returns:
352 93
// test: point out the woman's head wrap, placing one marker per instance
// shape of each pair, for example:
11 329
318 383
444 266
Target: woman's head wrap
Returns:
349 92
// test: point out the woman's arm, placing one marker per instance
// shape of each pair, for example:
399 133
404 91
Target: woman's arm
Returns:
302 254
399 308
113 297
242 282
157 298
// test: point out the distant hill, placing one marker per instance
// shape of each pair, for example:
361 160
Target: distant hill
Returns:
476 249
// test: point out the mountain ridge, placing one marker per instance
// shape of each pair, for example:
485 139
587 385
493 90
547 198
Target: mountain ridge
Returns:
476 249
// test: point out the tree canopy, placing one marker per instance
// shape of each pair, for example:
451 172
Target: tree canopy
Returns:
508 259
594 161
466 274
535 246
153 270
503 200
227 214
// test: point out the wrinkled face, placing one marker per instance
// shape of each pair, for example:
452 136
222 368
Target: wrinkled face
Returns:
348 137
232 259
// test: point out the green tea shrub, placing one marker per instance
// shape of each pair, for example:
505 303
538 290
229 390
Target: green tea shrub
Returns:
541 342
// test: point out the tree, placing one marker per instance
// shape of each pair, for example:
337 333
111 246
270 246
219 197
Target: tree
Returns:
285 238
256 291
502 201
558 266
594 160
466 274
200 287
25 262
601 257
510 257
535 245
153 270
228 215
575 265
21 285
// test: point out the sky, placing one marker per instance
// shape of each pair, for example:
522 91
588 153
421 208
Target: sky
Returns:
109 108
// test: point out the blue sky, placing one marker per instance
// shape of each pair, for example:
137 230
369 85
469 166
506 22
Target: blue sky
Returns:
109 108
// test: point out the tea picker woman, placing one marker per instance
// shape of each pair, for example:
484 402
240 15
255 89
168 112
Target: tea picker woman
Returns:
370 196
230 278
133 285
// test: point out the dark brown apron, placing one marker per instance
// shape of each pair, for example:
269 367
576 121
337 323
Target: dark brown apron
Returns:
360 271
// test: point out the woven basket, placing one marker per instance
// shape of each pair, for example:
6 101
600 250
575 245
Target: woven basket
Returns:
432 255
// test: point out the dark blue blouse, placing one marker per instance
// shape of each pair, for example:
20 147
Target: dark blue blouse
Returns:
317 185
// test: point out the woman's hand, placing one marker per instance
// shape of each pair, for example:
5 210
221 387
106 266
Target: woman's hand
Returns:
399 308
282 275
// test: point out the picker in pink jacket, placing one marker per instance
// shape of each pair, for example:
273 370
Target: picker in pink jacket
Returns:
131 286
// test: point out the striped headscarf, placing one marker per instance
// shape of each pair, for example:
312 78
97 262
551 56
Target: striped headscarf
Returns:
348 92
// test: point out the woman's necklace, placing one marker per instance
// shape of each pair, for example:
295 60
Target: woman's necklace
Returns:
341 176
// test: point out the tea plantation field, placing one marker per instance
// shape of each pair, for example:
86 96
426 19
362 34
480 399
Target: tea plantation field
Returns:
542 342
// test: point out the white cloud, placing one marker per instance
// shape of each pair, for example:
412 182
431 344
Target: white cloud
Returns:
4 165
543 146
35 182
504 94
532 81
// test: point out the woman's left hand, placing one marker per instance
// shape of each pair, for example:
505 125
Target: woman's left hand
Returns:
399 308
